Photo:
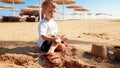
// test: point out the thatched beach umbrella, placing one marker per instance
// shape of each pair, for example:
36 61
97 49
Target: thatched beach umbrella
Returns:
81 10
98 15
15 10
73 6
13 2
34 6
89 14
25 9
110 15
36 11
6 7
101 14
63 2
73 14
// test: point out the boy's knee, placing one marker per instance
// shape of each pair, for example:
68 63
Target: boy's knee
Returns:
61 48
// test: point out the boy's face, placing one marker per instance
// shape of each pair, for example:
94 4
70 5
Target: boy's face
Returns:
50 13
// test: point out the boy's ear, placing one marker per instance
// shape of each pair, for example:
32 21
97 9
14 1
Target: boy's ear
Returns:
42 11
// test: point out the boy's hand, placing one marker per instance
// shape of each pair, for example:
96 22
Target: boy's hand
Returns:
64 38
58 40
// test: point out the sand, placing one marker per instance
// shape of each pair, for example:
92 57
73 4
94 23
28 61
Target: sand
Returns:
19 49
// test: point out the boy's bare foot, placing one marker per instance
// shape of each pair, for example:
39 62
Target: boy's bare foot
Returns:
50 53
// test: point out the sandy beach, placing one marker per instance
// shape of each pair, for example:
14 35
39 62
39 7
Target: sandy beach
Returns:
19 49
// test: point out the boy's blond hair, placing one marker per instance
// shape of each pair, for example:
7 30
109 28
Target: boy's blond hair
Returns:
48 3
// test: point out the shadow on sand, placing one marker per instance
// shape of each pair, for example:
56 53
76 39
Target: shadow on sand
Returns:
80 42
117 20
19 47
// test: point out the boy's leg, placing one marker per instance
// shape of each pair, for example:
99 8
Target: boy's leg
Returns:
58 47
52 48
45 46
61 47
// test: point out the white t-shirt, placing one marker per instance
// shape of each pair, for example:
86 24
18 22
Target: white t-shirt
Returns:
46 28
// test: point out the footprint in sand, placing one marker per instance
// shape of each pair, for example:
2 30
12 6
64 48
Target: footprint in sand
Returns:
98 35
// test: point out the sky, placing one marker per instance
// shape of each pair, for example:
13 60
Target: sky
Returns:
94 6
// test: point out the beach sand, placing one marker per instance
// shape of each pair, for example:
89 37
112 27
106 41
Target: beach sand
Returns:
19 49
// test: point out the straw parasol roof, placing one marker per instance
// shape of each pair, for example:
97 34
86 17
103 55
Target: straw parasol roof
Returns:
15 10
81 9
73 6
63 2
26 9
34 6
74 14
6 7
98 13
13 1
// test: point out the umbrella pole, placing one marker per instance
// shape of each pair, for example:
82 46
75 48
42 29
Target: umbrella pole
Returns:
40 1
80 14
63 9
13 8
6 12
83 15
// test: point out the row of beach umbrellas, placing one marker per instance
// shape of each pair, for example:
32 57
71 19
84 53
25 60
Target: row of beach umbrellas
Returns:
63 2
60 2
12 2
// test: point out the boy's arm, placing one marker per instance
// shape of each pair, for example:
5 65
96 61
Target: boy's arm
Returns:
63 38
48 38
58 35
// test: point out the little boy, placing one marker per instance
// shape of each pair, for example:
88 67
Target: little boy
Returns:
49 40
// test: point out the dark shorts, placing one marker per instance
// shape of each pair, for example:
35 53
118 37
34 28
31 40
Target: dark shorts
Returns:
45 46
